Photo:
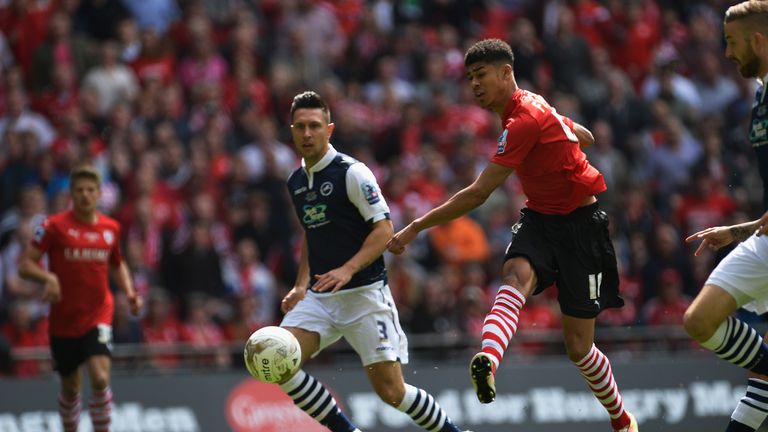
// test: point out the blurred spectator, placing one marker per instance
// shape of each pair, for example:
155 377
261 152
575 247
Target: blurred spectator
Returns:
666 252
23 331
203 333
112 81
126 328
99 19
61 48
246 276
196 268
670 305
459 241
19 118
160 328
155 14
436 312
610 162
24 23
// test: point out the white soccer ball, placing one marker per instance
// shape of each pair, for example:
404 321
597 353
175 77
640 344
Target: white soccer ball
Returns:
272 354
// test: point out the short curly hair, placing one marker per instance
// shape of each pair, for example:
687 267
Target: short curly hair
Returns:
489 51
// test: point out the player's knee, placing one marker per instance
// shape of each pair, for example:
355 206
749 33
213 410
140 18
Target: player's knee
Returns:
577 351
697 325
391 394
100 381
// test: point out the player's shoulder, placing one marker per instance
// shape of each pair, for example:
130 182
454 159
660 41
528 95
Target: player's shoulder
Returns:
58 219
108 222
346 160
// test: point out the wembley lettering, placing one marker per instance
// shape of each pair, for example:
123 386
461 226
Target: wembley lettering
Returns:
553 405
127 417
86 254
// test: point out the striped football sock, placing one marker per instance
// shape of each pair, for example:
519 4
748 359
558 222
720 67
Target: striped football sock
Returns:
596 369
752 409
100 407
500 324
314 399
69 411
425 411
739 344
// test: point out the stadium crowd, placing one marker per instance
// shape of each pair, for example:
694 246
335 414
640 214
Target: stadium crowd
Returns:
184 107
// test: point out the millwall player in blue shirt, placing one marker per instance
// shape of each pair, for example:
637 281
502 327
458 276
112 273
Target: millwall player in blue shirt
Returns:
341 289
741 278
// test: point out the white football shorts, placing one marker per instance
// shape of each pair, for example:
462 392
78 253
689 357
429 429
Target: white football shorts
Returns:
366 317
743 273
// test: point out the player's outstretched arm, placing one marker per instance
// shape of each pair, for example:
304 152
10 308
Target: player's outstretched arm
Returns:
121 274
30 269
461 203
716 237
372 248
299 289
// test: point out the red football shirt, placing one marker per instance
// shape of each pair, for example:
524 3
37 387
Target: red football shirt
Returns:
540 145
80 254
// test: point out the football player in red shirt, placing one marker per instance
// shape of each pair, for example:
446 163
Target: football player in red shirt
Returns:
562 237
82 245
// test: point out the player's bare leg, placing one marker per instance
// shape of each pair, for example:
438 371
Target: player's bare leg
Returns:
69 401
500 325
100 404
387 381
595 367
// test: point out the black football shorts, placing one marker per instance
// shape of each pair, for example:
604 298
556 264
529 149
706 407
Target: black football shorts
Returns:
70 352
574 252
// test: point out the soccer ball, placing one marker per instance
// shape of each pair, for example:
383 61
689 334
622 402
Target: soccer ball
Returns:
272 354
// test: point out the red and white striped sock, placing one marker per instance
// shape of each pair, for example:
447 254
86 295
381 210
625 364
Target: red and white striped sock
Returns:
69 411
596 369
100 407
501 323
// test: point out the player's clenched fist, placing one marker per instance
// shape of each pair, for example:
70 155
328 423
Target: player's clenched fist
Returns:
397 243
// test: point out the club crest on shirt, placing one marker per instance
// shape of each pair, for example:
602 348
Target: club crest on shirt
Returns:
326 188
502 142
109 236
370 192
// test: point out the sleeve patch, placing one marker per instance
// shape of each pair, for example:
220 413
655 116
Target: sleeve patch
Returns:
39 233
371 193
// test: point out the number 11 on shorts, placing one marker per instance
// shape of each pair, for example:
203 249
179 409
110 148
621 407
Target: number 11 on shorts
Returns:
594 285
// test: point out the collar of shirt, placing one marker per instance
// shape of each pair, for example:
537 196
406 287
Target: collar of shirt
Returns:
322 163
511 105
763 83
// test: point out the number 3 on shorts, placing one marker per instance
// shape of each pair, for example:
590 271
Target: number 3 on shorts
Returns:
105 334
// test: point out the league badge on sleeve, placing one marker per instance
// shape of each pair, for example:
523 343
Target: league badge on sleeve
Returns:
40 232
371 193
502 142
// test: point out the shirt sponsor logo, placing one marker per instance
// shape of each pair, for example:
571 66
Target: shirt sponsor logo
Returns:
326 188
314 215
371 193
502 142
86 254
